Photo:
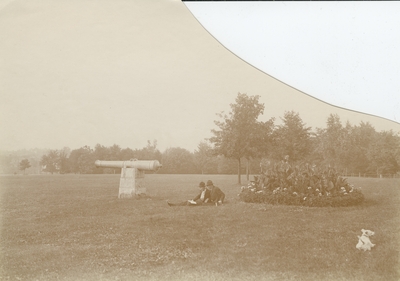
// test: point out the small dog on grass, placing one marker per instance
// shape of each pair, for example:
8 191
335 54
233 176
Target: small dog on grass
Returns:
363 241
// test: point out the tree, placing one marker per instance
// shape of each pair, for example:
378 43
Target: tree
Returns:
101 153
292 138
73 159
64 160
358 141
86 161
204 159
150 152
178 160
383 153
126 154
114 152
239 132
82 160
24 164
51 161
345 147
331 144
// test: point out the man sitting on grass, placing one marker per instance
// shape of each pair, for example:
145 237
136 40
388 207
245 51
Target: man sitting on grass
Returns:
217 196
203 197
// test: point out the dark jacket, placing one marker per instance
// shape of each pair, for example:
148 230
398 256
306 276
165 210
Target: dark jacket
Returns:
216 194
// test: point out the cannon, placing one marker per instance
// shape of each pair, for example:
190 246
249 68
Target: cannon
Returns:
132 175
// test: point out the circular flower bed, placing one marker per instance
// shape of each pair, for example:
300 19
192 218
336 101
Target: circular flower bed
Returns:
303 185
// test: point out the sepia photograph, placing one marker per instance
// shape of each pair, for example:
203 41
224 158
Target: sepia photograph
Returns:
199 140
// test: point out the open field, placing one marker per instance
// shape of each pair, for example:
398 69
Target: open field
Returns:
73 227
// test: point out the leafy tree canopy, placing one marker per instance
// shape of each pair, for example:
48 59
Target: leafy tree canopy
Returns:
240 133
24 164
292 138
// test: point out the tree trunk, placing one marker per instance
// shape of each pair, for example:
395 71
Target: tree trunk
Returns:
239 175
247 169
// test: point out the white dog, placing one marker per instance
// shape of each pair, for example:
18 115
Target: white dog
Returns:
363 241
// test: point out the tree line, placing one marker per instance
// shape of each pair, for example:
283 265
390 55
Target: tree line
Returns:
357 149
175 160
241 144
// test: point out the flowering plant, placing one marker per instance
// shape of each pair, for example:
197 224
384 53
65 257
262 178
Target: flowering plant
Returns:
301 185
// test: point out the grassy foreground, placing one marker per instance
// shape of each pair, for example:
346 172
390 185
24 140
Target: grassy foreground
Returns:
73 227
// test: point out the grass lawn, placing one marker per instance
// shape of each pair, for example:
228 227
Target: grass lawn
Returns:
73 227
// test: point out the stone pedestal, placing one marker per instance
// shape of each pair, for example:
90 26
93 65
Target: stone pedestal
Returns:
131 183
140 187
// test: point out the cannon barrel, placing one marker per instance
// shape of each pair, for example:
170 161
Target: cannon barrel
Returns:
145 165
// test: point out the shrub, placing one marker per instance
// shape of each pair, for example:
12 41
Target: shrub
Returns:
303 185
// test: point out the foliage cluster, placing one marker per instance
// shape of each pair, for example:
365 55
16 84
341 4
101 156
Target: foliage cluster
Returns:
24 164
304 184
352 149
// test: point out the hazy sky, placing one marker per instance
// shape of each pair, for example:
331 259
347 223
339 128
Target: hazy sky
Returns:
75 73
